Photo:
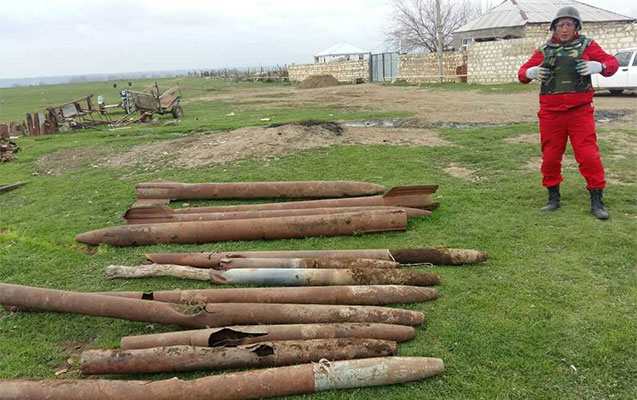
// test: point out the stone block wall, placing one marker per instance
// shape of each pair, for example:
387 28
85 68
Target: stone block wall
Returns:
343 71
499 61
612 36
424 67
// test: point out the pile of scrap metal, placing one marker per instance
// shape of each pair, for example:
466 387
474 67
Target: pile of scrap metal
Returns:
8 147
12 128
149 103
77 114
309 339
329 208
321 322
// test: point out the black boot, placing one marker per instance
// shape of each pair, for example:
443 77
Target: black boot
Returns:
597 204
554 199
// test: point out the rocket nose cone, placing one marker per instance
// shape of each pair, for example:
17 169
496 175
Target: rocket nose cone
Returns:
426 366
408 369
417 212
88 238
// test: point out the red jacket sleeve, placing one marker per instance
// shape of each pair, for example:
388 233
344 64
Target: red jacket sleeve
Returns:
536 59
595 53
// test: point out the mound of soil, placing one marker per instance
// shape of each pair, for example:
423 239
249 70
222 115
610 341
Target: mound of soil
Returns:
318 81
263 143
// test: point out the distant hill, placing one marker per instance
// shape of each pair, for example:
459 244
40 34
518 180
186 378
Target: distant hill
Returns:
56 80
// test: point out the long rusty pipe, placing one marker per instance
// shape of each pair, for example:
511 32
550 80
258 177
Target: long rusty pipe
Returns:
437 256
163 214
242 335
200 316
260 355
248 229
213 259
273 382
256 190
378 295
306 263
403 196
280 276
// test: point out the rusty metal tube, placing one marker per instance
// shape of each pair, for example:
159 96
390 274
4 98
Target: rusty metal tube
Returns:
273 382
324 277
242 335
256 190
249 229
437 256
420 197
306 263
157 270
213 260
378 295
201 316
165 214
259 355
279 276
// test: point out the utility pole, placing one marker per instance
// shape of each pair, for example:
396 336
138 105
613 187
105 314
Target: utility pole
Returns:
439 41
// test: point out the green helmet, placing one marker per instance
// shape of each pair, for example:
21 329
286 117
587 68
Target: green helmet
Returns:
567 12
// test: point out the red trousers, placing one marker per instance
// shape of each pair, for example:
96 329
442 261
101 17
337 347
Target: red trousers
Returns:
578 125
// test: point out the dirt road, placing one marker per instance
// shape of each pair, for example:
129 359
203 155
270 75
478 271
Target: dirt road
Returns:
428 105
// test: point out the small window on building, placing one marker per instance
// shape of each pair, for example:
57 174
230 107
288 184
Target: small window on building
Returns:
466 42
624 57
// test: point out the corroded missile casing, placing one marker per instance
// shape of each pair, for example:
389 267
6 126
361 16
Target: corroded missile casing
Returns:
437 256
199 316
306 263
162 214
242 335
248 229
324 277
273 382
256 190
213 259
376 295
404 196
280 276
263 354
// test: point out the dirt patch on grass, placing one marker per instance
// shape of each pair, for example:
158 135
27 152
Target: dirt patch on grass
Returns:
72 351
265 143
450 107
459 171
527 138
62 161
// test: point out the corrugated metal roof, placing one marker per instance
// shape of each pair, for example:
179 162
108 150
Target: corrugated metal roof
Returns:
341 49
512 13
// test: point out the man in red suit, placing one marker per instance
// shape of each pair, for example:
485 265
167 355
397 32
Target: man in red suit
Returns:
564 66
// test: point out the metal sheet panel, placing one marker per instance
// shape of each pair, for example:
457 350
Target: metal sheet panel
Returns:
518 13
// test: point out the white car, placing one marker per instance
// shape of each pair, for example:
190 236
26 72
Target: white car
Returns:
626 76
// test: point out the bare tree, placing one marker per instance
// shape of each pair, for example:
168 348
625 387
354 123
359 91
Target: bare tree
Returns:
413 25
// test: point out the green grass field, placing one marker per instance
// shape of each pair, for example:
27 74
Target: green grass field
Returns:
551 315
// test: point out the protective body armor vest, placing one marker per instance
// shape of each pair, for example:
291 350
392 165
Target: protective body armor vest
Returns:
561 59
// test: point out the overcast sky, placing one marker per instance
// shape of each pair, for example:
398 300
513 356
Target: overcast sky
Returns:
64 37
